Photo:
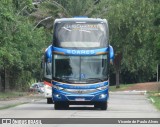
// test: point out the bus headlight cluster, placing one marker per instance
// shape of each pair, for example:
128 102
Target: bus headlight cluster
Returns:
58 87
102 87
102 96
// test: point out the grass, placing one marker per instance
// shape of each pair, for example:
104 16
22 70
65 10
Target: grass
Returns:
155 96
122 87
12 94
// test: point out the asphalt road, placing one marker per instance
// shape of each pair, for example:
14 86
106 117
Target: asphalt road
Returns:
121 105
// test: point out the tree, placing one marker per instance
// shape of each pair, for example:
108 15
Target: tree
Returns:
132 34
20 47
61 9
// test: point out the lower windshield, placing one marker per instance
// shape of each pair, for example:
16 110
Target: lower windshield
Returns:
80 69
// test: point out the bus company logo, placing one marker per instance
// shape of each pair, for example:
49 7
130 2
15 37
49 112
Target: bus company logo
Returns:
81 52
80 91
82 27
6 121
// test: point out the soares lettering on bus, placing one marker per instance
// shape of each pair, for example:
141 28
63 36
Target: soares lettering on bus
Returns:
80 52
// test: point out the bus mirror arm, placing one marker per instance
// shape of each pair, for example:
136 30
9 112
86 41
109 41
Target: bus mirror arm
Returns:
111 61
111 54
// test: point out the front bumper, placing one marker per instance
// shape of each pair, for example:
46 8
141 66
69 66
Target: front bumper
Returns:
99 96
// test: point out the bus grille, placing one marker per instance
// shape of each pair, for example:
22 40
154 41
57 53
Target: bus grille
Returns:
80 91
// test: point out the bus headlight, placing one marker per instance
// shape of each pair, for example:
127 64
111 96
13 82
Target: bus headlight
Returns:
57 87
102 87
102 96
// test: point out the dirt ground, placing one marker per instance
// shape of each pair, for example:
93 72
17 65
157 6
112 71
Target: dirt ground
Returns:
148 86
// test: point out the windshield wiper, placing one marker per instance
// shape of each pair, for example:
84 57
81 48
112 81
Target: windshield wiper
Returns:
95 79
82 81
73 81
65 80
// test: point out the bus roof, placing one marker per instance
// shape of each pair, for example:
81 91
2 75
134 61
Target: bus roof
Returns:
80 19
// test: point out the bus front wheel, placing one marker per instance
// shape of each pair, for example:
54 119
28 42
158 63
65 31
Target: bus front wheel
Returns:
49 101
101 105
60 105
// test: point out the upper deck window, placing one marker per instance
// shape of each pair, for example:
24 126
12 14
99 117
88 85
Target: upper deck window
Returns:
81 35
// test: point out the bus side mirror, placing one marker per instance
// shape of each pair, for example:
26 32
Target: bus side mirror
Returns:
111 54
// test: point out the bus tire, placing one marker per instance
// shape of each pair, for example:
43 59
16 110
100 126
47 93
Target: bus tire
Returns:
49 101
104 106
101 105
60 105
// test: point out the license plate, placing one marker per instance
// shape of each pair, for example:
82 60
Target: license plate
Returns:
79 99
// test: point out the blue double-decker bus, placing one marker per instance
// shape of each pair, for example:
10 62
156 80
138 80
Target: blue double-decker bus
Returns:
81 55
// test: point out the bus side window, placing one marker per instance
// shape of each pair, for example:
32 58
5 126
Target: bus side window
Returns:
48 68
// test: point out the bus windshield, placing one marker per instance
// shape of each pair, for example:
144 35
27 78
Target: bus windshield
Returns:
81 35
80 69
